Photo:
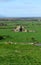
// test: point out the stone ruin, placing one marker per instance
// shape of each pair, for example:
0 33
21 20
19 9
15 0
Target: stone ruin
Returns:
20 29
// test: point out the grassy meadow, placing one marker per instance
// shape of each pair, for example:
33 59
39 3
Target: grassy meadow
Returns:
20 52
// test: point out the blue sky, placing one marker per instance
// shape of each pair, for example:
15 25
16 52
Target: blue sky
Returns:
20 8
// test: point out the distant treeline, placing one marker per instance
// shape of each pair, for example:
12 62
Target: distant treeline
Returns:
16 19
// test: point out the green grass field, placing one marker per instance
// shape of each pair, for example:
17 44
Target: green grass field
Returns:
20 53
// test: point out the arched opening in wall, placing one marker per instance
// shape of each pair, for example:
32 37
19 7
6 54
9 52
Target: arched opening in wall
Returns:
20 30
